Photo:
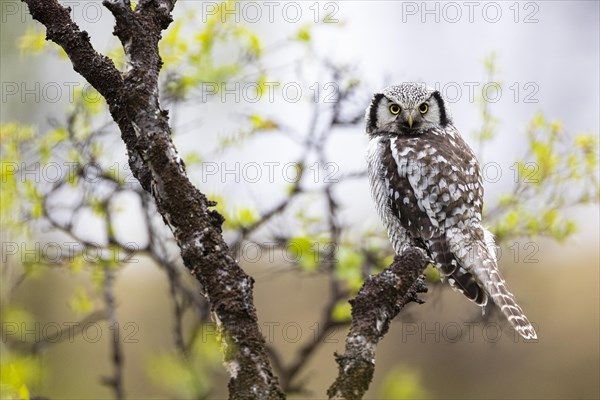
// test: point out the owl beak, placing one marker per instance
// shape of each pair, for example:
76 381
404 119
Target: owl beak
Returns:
410 120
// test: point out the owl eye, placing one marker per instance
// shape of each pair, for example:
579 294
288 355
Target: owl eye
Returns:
395 109
423 108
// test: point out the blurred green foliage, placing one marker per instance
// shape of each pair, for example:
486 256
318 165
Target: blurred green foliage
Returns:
403 383
188 377
17 371
557 171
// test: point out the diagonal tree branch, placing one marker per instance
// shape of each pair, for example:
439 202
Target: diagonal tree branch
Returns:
99 70
378 302
133 101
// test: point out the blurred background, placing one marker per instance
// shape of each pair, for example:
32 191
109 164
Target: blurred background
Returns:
266 102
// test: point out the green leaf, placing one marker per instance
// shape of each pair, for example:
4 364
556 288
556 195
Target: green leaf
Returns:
349 267
588 144
546 161
254 46
301 248
538 121
342 311
77 263
246 216
17 315
432 274
512 219
192 158
507 200
57 135
98 207
33 41
303 34
117 55
98 276
489 63
18 373
403 383
80 303
260 124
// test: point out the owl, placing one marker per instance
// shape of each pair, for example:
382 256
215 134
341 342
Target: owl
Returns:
428 190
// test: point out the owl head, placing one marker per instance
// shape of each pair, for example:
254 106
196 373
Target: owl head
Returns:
406 109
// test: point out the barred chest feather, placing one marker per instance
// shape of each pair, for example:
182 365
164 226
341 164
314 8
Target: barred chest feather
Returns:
380 193
430 182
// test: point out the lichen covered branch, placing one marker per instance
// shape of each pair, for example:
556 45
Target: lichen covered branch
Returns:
378 302
133 101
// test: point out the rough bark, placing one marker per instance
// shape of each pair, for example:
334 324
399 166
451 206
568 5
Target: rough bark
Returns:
132 98
378 302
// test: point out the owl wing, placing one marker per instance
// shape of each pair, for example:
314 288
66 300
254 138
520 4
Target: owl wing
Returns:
431 184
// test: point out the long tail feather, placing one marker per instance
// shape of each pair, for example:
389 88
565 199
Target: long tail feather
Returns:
495 285
480 259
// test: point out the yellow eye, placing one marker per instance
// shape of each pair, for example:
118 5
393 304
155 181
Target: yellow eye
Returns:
395 109
423 108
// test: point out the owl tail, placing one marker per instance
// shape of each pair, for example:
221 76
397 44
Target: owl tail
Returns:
481 261
486 271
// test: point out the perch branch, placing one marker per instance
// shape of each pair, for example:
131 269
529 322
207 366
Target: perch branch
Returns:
379 300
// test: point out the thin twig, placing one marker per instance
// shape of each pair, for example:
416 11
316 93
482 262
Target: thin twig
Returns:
116 380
